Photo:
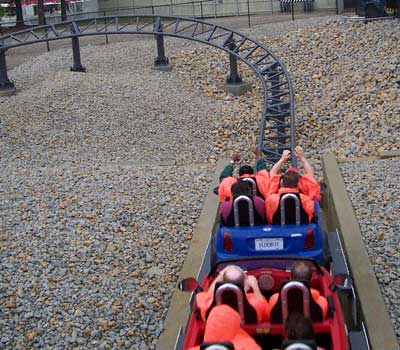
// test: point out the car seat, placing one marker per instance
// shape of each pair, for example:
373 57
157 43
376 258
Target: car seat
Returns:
217 346
295 297
290 212
234 296
243 213
299 345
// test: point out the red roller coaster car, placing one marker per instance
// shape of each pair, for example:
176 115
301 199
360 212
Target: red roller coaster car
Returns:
273 276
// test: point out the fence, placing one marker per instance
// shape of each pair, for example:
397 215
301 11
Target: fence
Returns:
196 9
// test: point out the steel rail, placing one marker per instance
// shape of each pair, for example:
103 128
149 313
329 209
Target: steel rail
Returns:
277 127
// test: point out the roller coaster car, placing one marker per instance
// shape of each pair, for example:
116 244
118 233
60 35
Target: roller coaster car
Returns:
288 237
378 8
273 274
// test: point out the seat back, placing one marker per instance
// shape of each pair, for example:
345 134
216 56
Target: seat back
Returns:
217 346
240 214
295 297
243 214
234 296
290 212
298 345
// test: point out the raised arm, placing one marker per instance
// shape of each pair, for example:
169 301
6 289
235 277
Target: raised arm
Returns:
228 170
217 279
299 152
276 169
251 282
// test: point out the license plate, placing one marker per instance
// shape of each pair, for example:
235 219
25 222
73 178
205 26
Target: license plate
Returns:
269 244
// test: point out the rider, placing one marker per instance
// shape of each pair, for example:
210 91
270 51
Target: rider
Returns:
223 325
308 185
261 177
242 188
299 327
234 274
289 184
305 186
302 272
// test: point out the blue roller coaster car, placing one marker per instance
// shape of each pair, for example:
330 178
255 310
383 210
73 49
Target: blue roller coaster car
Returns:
289 238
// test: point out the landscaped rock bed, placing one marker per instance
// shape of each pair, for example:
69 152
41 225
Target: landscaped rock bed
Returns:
374 192
103 174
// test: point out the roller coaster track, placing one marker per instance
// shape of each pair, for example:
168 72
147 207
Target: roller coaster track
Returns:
277 127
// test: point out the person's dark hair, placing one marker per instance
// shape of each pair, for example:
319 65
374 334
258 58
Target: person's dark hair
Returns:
246 169
298 327
301 272
290 179
241 188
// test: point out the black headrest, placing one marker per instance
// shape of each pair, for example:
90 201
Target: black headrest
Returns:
219 284
224 345
295 298
250 314
290 212
287 343
306 283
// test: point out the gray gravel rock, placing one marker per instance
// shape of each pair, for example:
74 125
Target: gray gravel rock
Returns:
98 195
346 87
99 198
374 191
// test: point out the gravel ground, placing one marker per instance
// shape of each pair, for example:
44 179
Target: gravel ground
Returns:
346 79
90 256
374 191
95 219
103 178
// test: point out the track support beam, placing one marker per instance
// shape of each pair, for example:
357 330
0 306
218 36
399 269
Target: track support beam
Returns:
161 62
7 87
234 83
234 77
76 52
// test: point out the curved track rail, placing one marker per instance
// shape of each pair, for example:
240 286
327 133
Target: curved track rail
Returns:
277 128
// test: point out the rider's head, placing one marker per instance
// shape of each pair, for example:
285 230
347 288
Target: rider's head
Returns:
290 179
301 272
246 169
234 274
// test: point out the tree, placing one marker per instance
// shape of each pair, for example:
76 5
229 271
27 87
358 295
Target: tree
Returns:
63 10
40 9
20 15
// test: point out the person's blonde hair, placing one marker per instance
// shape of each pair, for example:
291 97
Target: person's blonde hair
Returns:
230 277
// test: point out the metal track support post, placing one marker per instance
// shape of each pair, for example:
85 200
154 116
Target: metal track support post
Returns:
76 52
234 83
161 62
234 77
292 3
248 13
7 87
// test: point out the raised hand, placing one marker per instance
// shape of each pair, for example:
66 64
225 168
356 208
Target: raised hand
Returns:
286 154
235 157
252 282
299 152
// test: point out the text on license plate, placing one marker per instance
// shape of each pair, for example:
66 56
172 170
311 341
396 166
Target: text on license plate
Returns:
269 244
